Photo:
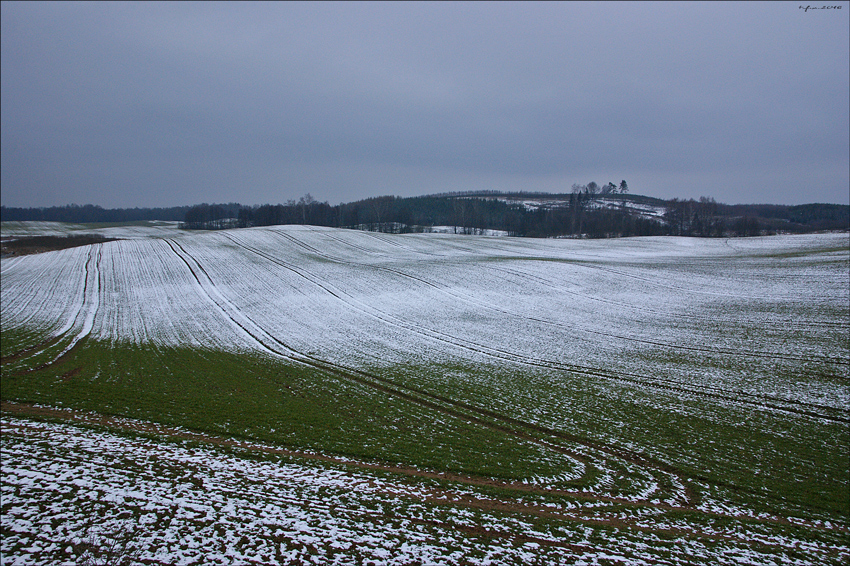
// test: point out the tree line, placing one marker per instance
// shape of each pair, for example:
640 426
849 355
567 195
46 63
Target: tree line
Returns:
592 210
707 218
78 214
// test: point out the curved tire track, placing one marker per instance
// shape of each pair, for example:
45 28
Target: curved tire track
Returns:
490 419
468 411
89 305
480 304
740 397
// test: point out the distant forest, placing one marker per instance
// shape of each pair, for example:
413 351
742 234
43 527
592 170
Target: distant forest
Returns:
589 211
92 213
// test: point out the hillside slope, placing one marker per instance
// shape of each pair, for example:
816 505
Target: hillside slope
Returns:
706 376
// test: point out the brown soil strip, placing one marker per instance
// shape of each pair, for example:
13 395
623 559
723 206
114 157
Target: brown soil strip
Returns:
32 349
29 245
436 496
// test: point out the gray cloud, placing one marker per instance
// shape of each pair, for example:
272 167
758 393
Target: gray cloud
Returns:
147 104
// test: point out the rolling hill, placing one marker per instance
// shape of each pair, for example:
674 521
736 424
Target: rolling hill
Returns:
650 398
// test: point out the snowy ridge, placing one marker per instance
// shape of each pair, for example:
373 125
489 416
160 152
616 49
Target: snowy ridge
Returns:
353 298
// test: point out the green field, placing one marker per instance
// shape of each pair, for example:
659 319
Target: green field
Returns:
723 435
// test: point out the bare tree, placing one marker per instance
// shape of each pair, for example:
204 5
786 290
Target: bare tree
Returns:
303 203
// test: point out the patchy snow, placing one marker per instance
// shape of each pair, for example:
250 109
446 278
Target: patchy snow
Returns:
655 212
739 319
170 502
756 325
750 307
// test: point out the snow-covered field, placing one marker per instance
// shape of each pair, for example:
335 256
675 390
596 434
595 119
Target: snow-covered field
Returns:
177 503
356 298
562 345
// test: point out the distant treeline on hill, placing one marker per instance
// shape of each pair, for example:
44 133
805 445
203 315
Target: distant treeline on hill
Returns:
579 213
91 213
588 211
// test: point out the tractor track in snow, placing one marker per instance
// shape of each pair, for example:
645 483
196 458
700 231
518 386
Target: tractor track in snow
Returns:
229 310
24 418
492 419
54 336
477 303
89 305
91 302
640 309
446 405
764 401
392 387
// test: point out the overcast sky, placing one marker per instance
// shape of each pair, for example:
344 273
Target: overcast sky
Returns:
146 104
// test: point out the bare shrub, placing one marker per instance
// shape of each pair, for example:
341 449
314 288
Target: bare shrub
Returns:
109 547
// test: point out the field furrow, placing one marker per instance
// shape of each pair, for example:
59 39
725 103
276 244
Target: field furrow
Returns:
696 392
